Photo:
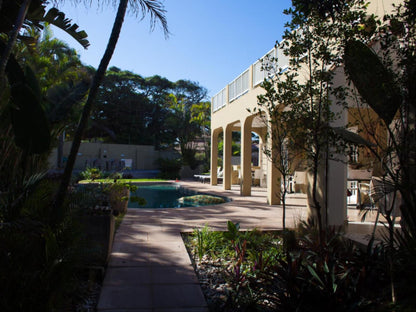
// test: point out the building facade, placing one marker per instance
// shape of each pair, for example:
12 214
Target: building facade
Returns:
232 109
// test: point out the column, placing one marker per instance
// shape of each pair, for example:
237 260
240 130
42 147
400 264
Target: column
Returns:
273 176
246 157
337 192
227 157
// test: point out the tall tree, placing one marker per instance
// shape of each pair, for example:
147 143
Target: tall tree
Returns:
157 14
273 108
201 115
157 90
122 112
313 44
184 127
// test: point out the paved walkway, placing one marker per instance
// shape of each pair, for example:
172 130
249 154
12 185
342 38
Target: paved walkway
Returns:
149 268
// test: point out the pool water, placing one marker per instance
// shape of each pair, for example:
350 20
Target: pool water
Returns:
163 196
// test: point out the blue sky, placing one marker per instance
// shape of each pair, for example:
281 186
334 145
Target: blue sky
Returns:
211 42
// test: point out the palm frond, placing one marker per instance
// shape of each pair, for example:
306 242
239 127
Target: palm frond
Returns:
139 8
57 18
155 9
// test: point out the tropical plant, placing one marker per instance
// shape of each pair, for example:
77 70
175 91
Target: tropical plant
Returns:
155 9
201 114
181 119
385 84
332 274
42 250
208 242
91 174
16 14
36 104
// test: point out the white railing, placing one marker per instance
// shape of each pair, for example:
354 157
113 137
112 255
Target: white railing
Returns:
267 66
219 100
239 86
264 67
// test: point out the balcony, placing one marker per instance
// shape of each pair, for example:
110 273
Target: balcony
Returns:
272 62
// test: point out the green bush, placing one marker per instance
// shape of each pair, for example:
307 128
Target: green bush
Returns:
102 198
245 258
169 168
331 275
41 252
263 273
91 174
189 158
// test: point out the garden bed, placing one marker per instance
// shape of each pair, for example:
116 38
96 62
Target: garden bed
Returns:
261 271
232 267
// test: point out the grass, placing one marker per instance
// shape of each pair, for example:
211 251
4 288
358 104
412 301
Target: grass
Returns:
108 180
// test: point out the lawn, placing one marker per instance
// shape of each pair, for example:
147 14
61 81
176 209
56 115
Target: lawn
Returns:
107 180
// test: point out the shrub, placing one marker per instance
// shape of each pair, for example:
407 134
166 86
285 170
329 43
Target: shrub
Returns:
244 259
188 156
91 174
169 168
329 276
115 176
42 252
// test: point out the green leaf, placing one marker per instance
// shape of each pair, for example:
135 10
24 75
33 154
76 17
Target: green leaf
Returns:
351 137
315 275
373 80
63 98
57 18
233 228
29 122
326 269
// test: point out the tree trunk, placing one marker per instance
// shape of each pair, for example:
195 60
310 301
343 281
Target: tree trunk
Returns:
315 199
98 77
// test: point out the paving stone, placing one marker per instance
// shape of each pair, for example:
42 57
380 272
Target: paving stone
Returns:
169 259
125 297
173 275
127 276
178 296
125 259
150 269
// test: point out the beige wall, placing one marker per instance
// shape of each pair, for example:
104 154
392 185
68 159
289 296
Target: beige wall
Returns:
236 110
235 115
143 156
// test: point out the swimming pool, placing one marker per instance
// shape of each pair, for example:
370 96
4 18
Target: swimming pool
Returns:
165 195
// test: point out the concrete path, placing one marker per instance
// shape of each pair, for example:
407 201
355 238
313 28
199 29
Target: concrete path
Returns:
149 268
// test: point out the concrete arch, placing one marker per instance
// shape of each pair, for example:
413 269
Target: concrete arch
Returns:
227 153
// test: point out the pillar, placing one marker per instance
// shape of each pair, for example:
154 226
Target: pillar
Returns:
273 176
337 192
246 157
227 157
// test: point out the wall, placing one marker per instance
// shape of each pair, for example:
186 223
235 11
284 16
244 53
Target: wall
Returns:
109 156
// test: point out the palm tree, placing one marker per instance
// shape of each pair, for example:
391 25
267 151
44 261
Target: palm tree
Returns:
157 13
31 14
